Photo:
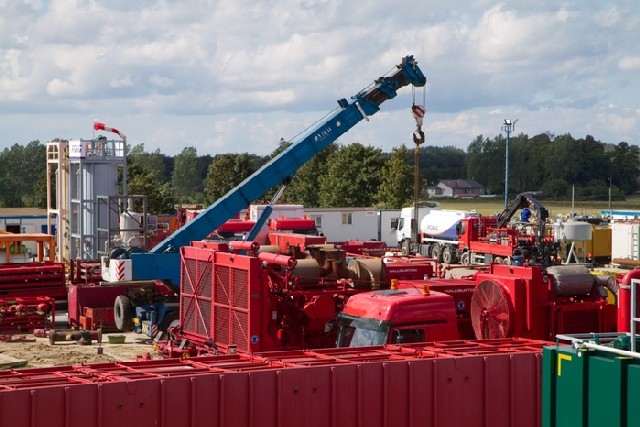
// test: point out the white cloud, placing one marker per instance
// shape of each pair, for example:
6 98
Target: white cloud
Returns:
629 63
237 75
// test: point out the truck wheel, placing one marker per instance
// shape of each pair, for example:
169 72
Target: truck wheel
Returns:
167 320
465 258
406 247
123 313
447 255
436 252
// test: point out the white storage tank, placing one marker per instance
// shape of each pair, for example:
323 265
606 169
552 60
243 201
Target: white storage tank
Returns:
574 231
131 228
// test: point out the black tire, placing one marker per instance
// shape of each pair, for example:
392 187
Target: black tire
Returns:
118 253
167 320
406 247
449 256
465 258
123 313
436 252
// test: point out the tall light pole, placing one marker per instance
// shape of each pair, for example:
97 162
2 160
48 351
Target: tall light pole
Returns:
507 127
609 196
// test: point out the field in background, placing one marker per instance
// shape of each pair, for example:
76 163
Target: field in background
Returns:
555 207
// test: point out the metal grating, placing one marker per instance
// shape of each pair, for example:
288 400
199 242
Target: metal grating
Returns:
240 293
221 322
240 332
216 297
205 287
189 320
188 270
222 285
579 321
195 295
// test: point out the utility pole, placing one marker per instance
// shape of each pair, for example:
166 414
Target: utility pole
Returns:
609 196
507 127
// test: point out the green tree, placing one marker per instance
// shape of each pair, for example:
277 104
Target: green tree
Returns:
225 172
34 160
185 180
625 162
145 182
438 163
396 186
23 175
353 177
149 161
303 188
485 162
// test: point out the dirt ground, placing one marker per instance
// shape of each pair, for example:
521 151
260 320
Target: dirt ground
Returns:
27 351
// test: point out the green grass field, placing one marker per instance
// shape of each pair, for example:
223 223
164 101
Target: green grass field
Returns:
555 207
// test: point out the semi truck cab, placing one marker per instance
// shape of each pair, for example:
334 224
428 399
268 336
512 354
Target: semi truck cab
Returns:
396 316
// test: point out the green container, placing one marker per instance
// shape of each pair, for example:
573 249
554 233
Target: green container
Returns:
589 388
116 339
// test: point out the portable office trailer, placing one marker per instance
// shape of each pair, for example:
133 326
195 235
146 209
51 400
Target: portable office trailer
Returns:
342 224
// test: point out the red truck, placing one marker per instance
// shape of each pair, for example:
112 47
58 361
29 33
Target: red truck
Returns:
469 238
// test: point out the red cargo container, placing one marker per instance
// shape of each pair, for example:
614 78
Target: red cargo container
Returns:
483 383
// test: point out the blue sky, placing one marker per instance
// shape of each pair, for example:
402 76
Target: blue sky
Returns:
232 76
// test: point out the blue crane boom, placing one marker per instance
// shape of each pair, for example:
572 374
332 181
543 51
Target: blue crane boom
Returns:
162 261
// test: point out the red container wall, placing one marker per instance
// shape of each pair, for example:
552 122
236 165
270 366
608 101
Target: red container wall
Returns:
376 386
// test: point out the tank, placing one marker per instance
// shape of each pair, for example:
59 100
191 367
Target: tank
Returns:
131 228
367 273
574 231
442 224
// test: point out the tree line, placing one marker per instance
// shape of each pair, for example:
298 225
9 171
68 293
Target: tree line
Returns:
355 175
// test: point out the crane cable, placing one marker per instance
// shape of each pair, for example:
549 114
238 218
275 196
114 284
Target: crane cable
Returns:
418 112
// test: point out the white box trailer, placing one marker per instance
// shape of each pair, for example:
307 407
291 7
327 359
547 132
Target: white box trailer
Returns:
625 240
279 211
342 224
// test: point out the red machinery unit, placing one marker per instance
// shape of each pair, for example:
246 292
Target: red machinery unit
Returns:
33 279
254 302
26 313
462 383
363 247
294 225
293 243
531 303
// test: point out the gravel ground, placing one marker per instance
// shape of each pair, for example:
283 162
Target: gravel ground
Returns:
28 351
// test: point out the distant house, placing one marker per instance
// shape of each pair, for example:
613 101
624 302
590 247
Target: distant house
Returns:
457 188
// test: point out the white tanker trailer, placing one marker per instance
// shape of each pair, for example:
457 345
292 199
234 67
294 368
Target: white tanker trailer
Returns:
439 235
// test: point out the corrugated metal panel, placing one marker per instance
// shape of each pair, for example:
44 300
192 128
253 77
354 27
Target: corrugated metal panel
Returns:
587 387
216 298
376 386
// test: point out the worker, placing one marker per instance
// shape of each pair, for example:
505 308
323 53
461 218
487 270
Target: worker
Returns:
525 215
